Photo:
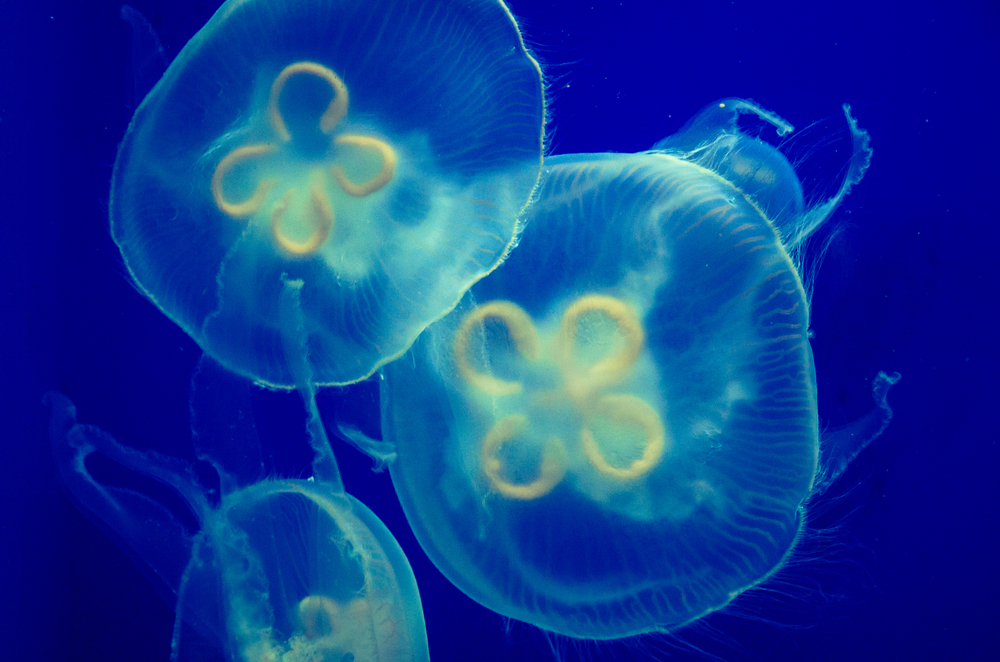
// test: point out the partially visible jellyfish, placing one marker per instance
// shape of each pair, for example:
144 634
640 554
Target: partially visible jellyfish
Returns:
263 569
380 153
616 432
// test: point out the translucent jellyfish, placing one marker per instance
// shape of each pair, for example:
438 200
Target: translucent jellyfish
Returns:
616 431
380 153
263 569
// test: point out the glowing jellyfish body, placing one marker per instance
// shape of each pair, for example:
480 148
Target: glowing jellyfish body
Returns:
380 153
264 570
616 431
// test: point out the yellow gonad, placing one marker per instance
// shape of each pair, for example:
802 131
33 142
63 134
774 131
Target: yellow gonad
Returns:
321 211
584 384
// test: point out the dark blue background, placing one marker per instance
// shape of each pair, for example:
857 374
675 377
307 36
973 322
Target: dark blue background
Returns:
906 566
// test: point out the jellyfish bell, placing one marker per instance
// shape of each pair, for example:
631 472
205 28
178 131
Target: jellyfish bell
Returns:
345 144
256 567
616 432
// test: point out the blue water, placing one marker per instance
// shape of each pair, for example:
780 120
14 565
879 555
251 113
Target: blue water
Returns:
901 563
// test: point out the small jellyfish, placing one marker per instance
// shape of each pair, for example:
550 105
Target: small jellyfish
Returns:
381 153
262 569
616 431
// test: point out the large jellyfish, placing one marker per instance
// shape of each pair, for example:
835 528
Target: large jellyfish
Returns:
263 569
616 431
380 153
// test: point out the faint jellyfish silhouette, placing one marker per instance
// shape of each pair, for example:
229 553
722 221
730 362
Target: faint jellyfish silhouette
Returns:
347 144
616 431
262 569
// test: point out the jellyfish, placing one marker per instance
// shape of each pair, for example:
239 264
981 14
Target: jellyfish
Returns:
381 153
616 432
260 568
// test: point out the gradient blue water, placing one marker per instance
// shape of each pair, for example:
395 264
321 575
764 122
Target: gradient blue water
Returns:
908 570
